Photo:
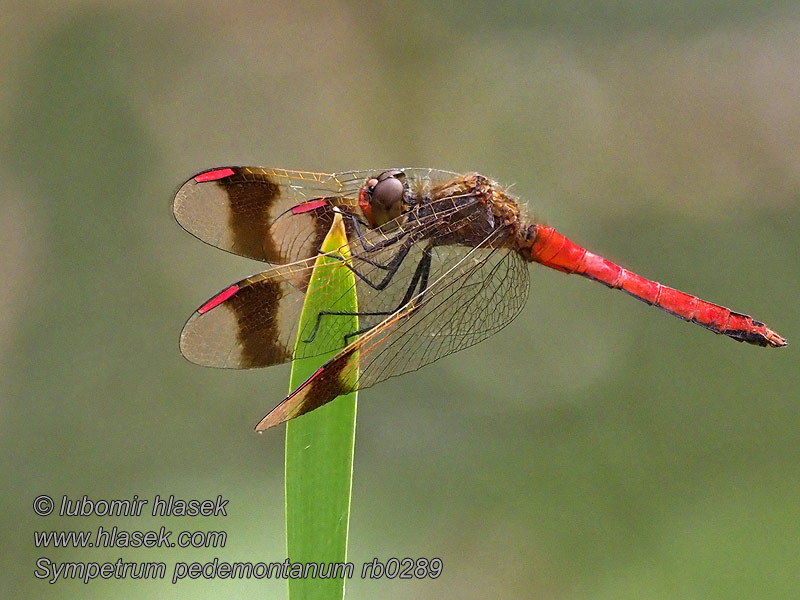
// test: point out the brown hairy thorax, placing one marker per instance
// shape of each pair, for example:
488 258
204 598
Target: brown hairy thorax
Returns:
453 201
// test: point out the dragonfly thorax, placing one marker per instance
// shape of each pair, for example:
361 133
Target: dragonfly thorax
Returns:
477 209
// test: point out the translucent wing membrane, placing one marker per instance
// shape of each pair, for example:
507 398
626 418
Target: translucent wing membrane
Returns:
249 324
437 279
477 293
248 210
477 297
272 215
253 323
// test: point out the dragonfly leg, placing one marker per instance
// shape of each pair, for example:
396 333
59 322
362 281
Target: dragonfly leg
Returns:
391 267
420 279
370 247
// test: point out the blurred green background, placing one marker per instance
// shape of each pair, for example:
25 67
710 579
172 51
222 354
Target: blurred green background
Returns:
596 449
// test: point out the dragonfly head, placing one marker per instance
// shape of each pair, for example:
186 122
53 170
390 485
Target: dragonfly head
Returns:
381 198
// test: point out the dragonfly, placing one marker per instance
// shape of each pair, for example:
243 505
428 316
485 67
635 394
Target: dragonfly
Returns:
439 260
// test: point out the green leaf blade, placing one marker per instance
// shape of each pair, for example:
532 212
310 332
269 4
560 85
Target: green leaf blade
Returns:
319 445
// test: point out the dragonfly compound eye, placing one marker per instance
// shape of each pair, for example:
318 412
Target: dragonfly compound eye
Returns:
386 197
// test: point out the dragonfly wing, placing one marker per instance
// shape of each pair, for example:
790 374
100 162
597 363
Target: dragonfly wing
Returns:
241 326
477 295
272 215
253 323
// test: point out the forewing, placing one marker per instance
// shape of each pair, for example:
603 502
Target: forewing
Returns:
272 215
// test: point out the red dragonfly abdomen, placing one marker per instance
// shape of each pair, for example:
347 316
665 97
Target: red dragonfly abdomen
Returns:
546 246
